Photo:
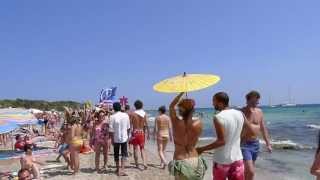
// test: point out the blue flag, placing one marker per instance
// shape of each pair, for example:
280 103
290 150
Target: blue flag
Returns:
108 94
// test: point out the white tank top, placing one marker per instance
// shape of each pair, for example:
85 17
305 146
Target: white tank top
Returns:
232 121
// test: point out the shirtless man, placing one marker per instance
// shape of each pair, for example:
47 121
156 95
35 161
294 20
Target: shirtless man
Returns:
186 164
162 132
140 128
249 142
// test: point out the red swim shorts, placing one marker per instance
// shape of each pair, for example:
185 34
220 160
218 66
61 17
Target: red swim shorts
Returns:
137 139
234 171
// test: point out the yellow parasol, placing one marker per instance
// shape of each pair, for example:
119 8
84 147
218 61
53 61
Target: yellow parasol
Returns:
186 83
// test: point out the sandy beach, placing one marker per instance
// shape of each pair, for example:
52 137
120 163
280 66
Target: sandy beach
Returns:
58 171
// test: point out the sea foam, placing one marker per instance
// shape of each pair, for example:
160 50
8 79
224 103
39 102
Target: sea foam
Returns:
287 144
313 126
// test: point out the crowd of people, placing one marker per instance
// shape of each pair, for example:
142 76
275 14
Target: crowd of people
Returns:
97 130
236 147
48 120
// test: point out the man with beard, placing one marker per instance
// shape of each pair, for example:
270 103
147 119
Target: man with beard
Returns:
229 123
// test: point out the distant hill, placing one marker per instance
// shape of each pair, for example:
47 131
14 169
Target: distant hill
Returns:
38 104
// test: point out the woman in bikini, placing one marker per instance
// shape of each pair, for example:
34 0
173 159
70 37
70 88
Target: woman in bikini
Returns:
100 139
75 140
162 132
186 164
29 162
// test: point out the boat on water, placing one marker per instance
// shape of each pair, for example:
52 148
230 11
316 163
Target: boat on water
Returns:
288 105
270 103
290 102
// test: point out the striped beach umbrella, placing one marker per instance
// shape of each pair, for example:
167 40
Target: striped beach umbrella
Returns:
18 116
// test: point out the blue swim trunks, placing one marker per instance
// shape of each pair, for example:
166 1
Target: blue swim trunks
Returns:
250 150
63 147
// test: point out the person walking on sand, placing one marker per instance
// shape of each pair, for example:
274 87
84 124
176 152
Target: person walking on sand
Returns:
186 163
99 139
250 145
162 133
119 133
229 123
315 169
140 129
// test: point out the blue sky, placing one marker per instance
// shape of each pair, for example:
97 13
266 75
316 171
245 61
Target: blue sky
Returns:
57 50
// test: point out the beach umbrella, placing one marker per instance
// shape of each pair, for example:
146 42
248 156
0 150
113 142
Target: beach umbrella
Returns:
6 127
186 83
18 116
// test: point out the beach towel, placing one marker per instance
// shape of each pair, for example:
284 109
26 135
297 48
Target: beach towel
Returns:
141 113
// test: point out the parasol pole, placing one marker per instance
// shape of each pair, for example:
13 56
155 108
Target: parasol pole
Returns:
184 75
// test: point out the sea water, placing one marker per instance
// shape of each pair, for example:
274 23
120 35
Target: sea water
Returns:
293 131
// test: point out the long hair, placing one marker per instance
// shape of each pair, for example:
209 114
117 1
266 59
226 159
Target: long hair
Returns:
186 108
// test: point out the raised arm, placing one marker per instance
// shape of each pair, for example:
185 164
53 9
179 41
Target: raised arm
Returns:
67 114
265 134
172 110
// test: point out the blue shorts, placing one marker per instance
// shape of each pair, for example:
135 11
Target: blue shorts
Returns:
62 148
250 150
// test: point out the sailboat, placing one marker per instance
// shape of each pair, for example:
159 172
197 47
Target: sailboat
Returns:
290 100
270 104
